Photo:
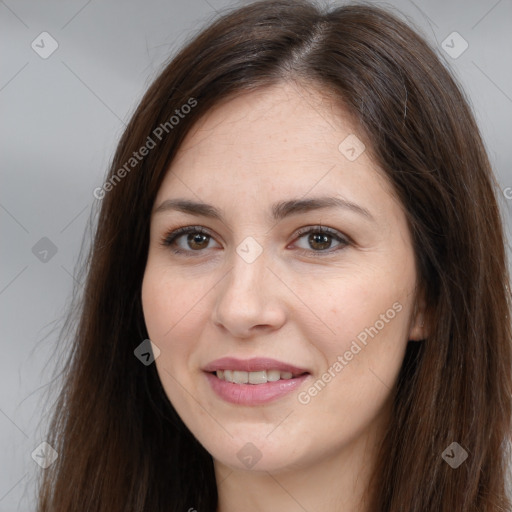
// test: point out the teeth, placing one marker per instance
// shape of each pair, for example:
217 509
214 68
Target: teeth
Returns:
262 377
257 377
273 375
240 377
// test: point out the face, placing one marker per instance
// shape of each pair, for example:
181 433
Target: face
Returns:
324 293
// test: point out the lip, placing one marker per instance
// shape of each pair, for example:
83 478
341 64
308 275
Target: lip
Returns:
255 364
253 394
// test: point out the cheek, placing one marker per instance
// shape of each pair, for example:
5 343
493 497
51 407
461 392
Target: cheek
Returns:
168 302
175 311
168 307
360 307
361 361
157 306
363 337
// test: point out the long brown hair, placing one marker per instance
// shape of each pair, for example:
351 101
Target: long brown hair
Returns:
121 445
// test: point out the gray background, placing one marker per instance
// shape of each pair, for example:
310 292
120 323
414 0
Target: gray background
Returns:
61 118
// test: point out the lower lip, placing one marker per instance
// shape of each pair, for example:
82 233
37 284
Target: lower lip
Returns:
253 394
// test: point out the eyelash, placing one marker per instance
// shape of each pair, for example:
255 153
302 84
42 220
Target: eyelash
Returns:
169 239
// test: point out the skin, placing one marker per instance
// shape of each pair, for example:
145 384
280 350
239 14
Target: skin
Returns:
299 301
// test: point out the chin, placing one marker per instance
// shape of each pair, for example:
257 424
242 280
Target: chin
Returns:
257 453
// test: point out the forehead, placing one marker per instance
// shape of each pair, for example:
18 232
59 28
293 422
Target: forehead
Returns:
283 138
275 121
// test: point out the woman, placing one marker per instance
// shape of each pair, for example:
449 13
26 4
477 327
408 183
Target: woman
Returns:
301 217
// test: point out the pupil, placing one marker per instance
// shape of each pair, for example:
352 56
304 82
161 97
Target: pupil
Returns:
320 236
196 238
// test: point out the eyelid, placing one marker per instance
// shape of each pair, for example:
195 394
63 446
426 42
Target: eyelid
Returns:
171 236
343 239
323 229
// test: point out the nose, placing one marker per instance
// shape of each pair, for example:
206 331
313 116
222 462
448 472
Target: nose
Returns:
250 299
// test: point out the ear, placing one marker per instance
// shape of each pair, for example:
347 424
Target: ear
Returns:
418 329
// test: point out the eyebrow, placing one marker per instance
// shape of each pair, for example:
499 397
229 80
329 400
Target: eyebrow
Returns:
280 210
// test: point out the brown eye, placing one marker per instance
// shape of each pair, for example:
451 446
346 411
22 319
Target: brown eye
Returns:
197 239
320 239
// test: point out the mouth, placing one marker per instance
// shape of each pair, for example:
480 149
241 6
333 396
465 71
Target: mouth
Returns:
255 365
247 394
256 381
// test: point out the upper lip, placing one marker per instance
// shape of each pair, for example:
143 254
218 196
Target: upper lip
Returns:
256 364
